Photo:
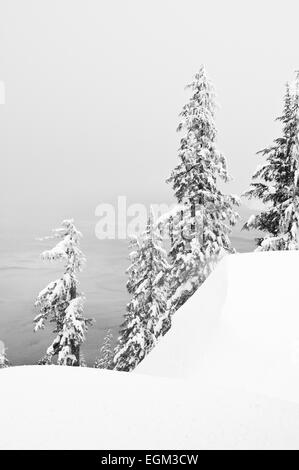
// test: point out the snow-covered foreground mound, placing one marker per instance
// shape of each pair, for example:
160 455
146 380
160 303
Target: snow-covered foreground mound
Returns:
241 328
226 376
54 407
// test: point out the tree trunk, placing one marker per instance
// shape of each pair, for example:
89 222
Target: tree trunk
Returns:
193 212
75 349
171 231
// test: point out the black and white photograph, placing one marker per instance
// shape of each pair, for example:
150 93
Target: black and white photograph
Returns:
149 227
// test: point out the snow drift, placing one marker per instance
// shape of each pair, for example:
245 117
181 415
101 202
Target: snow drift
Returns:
225 376
240 328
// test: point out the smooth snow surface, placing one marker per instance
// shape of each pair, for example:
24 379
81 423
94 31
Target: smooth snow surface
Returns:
225 376
52 407
241 328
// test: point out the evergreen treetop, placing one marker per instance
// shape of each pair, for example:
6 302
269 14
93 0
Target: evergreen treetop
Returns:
195 180
105 359
275 182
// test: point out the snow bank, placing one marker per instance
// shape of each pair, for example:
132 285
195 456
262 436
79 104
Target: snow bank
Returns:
225 376
52 407
240 328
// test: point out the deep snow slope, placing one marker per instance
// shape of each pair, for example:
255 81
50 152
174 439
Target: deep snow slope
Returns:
240 328
225 376
50 407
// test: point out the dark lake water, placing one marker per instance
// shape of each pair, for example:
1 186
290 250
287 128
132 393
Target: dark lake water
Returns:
23 275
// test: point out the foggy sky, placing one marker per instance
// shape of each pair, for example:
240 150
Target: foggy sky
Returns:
94 89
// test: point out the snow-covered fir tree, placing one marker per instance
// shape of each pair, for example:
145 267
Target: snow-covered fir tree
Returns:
275 183
60 302
3 357
105 358
82 361
46 360
147 317
189 271
200 232
189 268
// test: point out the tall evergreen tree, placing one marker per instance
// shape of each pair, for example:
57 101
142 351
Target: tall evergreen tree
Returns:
147 317
60 302
105 359
3 358
207 212
278 185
